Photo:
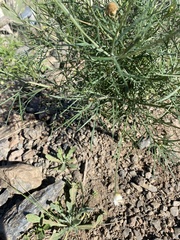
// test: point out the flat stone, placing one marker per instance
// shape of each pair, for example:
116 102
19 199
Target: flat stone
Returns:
174 211
140 203
128 191
155 204
126 232
178 187
135 159
22 50
122 173
20 177
4 197
144 143
177 233
148 175
133 173
137 187
148 187
133 221
14 223
149 195
157 225
176 203
138 235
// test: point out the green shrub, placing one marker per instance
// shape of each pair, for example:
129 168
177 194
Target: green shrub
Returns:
125 68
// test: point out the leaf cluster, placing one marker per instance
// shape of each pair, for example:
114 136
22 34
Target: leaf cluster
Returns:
63 220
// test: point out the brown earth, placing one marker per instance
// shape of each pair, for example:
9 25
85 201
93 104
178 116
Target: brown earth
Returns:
150 190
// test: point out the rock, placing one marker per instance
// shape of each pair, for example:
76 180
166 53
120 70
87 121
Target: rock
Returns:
28 13
148 175
155 204
150 213
17 178
140 203
126 232
95 238
16 155
133 221
22 50
148 187
95 141
149 195
122 173
128 191
33 133
174 211
14 227
4 143
137 187
177 233
144 143
4 148
176 203
77 176
20 177
4 197
178 187
157 225
132 173
138 235
4 23
135 159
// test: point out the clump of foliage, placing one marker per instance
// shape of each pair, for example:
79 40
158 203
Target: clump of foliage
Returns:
61 220
124 68
64 160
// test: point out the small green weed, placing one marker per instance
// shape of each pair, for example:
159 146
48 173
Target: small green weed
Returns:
64 160
13 65
63 220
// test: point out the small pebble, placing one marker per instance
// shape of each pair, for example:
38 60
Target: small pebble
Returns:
140 203
148 175
122 173
133 221
177 233
138 235
95 238
157 225
151 188
144 143
178 187
174 211
95 141
132 173
128 191
176 203
137 187
165 208
149 195
135 159
155 205
150 213
126 232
